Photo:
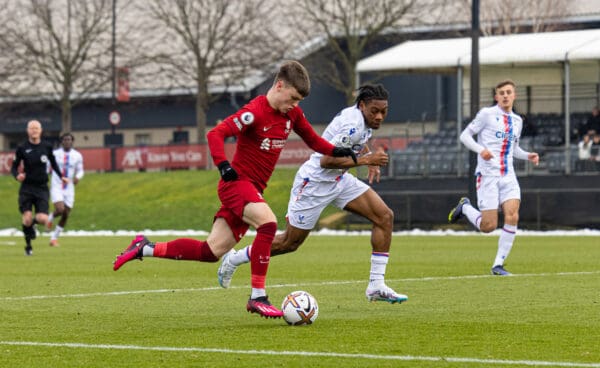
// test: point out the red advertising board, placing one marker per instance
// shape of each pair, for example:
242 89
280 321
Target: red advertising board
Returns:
95 159
183 156
162 157
6 160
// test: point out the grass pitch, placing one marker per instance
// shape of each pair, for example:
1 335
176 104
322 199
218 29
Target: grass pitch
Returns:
65 307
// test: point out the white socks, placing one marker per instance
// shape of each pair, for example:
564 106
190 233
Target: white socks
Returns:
379 261
472 214
505 243
241 256
56 232
148 251
257 293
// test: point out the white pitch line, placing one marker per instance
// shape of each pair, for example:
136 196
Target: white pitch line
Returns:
304 354
324 283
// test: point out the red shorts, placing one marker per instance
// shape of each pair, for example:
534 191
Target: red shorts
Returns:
234 196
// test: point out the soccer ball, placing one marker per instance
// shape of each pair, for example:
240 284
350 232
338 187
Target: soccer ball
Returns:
299 308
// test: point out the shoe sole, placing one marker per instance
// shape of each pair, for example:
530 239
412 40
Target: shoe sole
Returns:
251 310
394 301
391 301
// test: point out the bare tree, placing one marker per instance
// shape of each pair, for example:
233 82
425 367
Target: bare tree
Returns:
349 29
515 16
60 48
208 45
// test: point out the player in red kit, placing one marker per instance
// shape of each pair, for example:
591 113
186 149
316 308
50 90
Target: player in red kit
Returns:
261 128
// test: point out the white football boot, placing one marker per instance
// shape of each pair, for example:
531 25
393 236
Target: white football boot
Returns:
384 294
226 270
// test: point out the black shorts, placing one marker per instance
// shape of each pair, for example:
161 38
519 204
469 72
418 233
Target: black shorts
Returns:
33 196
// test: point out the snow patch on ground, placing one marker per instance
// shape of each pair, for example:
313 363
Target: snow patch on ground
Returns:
325 232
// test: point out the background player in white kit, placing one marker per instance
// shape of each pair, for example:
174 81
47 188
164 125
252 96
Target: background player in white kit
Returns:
498 131
70 162
324 180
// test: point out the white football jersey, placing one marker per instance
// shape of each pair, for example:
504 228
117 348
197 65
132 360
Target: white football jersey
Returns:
347 129
70 164
499 132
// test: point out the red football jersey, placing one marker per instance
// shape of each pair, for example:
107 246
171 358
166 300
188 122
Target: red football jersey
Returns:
261 134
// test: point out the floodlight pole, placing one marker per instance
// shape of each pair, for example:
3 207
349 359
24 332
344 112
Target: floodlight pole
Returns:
474 87
114 52
113 154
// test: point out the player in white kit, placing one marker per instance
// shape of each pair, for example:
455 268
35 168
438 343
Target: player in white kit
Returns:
70 162
324 180
498 131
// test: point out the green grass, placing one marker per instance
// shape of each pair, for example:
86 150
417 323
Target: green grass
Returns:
549 311
155 200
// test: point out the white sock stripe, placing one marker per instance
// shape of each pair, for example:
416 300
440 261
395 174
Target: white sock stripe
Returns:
380 254
508 231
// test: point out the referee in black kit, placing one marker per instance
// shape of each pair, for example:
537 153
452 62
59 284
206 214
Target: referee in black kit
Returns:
35 156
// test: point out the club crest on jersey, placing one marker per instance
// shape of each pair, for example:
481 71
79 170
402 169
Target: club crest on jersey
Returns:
345 141
352 131
288 127
247 118
44 159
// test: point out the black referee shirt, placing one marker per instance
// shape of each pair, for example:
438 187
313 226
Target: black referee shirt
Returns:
35 158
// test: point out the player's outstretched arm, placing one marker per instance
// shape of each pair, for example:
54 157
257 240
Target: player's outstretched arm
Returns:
344 152
378 158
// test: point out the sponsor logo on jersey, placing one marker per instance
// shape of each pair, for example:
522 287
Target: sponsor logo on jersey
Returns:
267 144
505 135
247 118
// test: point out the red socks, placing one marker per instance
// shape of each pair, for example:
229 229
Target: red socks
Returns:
261 253
195 250
186 249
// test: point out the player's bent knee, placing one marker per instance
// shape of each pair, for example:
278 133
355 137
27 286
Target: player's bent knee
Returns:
385 219
511 219
488 227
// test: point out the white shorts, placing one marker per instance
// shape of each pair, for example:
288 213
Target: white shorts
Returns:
63 195
492 191
309 198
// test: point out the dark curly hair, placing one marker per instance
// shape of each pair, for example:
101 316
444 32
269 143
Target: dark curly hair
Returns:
368 92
